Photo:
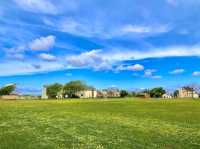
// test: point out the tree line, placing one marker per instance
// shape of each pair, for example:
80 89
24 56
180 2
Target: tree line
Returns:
69 89
157 92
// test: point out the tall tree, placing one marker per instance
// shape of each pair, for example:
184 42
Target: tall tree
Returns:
72 87
175 94
123 93
157 92
6 90
53 90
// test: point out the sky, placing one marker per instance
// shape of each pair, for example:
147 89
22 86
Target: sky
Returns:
129 44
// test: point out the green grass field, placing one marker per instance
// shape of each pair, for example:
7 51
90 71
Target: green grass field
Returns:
97 124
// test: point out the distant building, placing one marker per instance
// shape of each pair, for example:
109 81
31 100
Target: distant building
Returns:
113 94
102 94
87 94
108 93
167 96
28 97
44 93
143 95
10 97
187 92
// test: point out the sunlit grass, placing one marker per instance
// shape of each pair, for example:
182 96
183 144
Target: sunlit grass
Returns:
100 124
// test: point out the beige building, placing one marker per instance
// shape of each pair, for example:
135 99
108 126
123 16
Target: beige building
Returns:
187 92
87 94
167 96
9 97
108 94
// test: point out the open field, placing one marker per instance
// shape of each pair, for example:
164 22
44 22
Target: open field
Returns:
90 124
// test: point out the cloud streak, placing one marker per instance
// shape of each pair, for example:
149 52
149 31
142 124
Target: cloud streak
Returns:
47 57
38 6
177 71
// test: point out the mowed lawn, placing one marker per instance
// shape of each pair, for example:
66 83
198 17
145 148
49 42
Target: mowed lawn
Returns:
99 124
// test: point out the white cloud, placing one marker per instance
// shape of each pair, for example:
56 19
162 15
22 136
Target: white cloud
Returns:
14 68
47 57
136 67
89 59
17 56
114 57
177 71
42 43
128 54
144 29
149 74
95 28
38 6
196 73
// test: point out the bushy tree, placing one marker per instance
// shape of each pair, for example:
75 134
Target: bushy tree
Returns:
157 92
53 89
175 94
7 89
72 87
123 93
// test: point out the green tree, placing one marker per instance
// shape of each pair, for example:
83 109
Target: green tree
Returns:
53 89
175 94
123 93
7 89
157 92
72 87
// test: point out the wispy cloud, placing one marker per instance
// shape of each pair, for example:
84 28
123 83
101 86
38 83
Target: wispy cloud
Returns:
13 68
40 44
196 73
136 67
47 57
144 29
170 51
38 6
149 74
177 71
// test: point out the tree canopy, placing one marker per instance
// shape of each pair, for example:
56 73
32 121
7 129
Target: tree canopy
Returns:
7 90
54 89
176 93
72 87
123 93
157 92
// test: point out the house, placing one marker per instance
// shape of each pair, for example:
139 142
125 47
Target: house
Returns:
10 97
113 94
167 96
87 94
143 95
187 92
109 93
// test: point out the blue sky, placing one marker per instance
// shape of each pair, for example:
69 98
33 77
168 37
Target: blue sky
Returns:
125 43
